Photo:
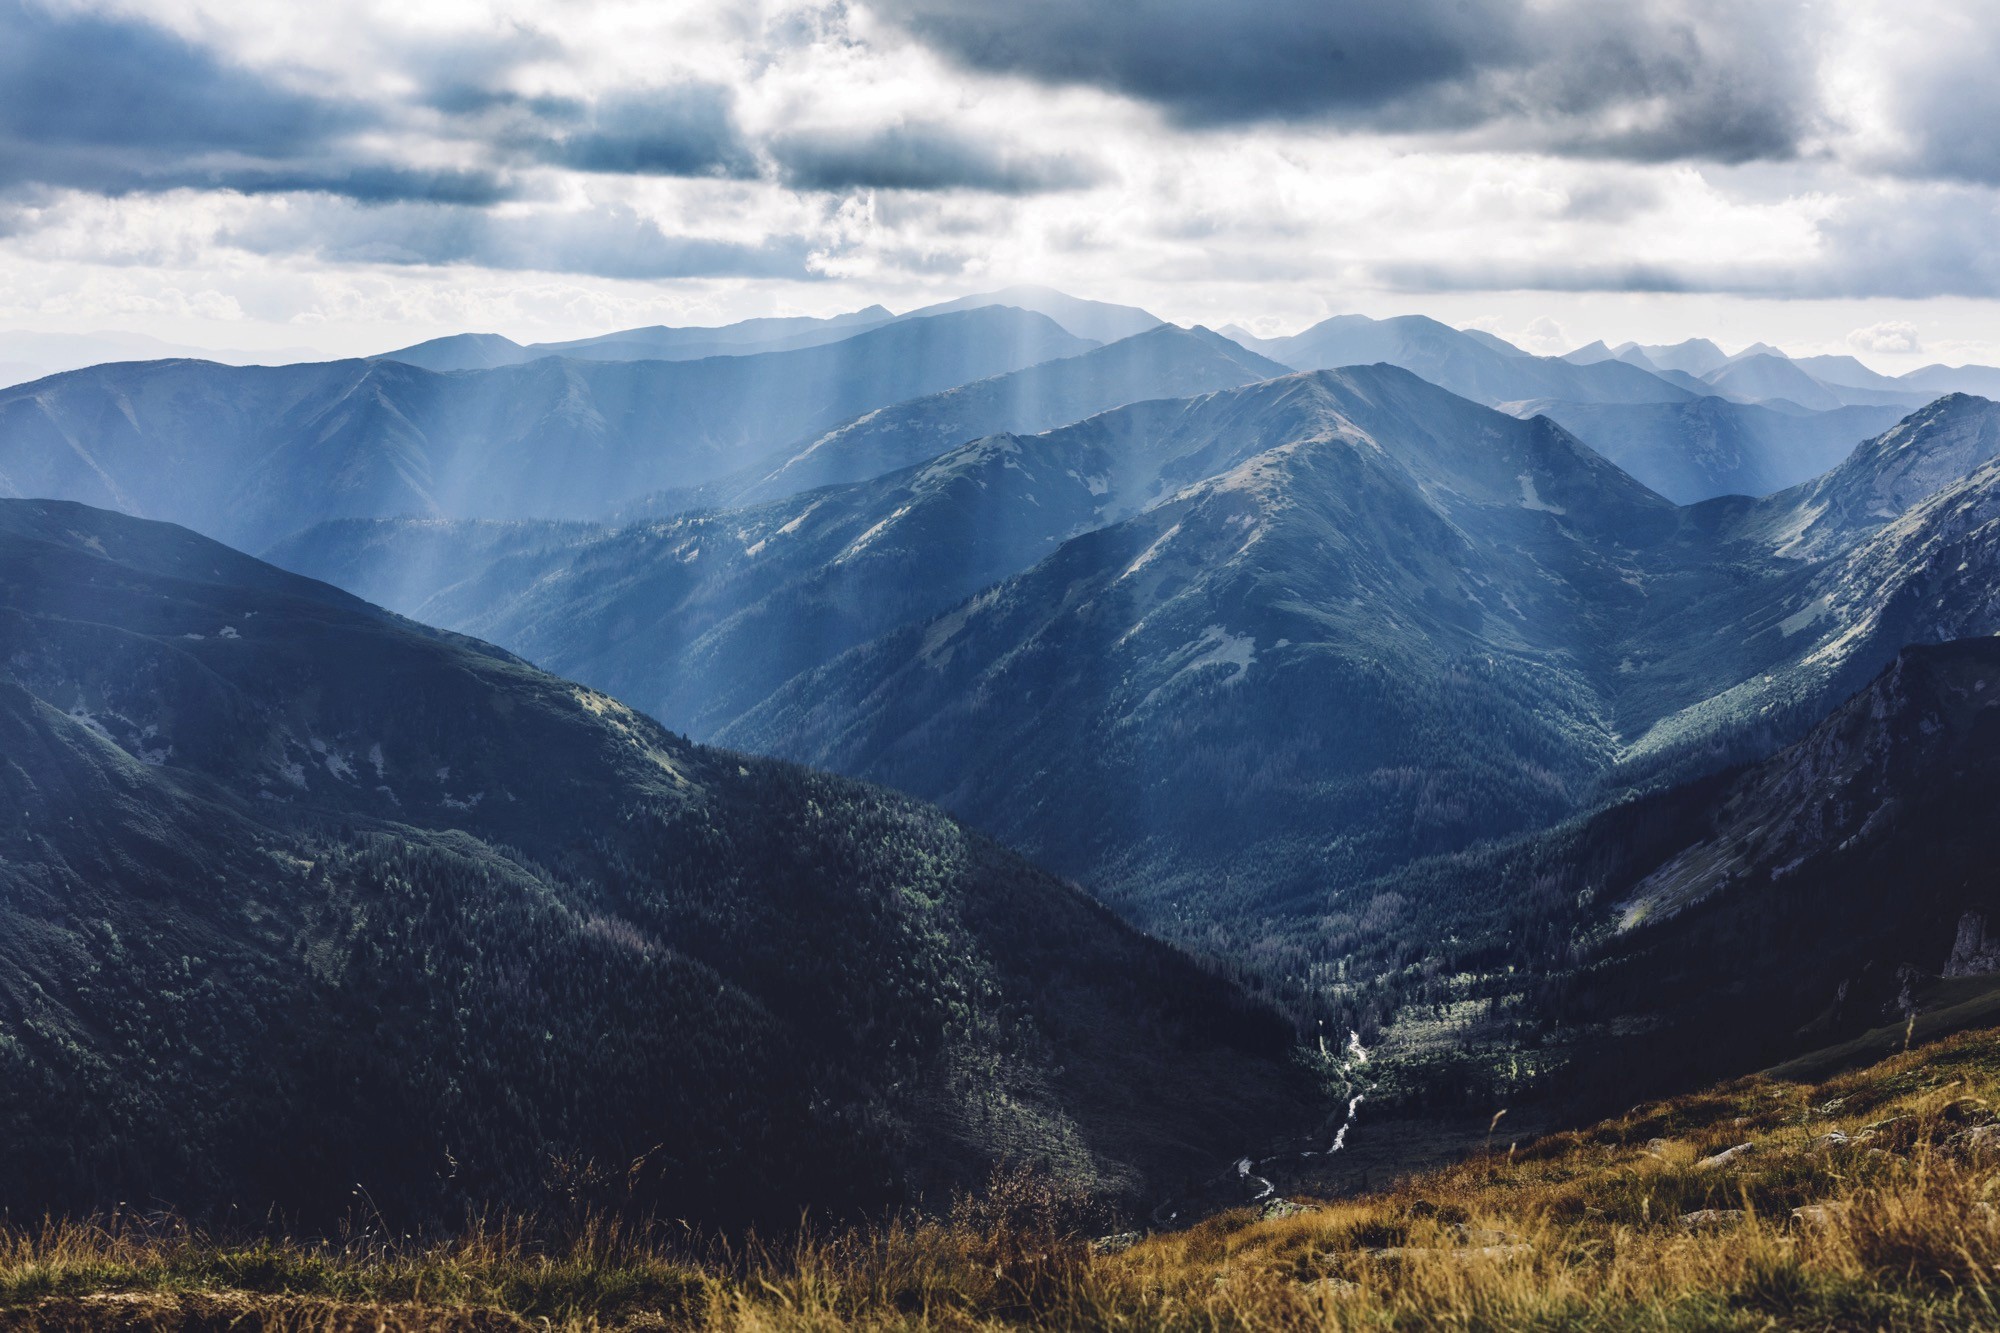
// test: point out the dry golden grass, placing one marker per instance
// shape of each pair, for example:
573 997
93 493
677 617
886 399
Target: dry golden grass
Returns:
1864 1202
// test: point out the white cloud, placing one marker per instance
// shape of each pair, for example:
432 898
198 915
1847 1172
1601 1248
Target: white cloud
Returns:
1891 335
1544 336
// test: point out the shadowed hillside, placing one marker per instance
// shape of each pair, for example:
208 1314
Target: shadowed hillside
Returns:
302 898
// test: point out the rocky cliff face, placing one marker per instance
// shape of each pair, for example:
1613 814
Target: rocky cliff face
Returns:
1974 953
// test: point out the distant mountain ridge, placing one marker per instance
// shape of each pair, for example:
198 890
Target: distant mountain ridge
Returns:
1470 365
249 455
1162 362
1480 366
1761 372
1097 321
484 351
1706 447
26 356
1689 437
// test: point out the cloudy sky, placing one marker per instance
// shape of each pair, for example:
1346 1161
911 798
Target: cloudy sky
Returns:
1823 174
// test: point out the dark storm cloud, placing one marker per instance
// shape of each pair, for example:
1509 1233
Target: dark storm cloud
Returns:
687 130
1935 241
89 82
612 242
112 105
1947 102
1212 61
1580 275
363 182
1652 80
922 157
116 106
465 71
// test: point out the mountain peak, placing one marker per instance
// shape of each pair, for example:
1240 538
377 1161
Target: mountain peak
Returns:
1769 376
1098 320
1694 356
1227 346
1471 363
1460 451
460 351
1886 477
1164 361
1931 447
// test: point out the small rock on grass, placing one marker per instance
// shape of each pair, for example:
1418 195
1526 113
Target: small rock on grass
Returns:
1725 1157
1981 1139
1713 1219
1819 1215
1463 1242
1276 1208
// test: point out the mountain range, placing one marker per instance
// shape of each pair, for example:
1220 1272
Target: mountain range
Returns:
1563 728
1840 379
1315 605
1705 447
1480 367
26 356
1098 321
701 617
305 899
1688 420
658 342
1163 362
251 454
771 407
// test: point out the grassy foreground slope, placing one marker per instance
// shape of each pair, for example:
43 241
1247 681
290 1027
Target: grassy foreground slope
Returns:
1864 1201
